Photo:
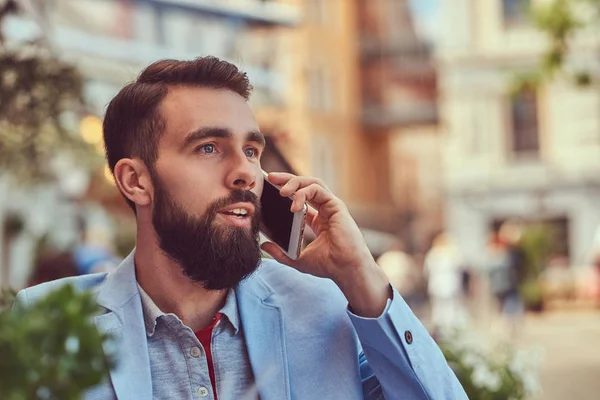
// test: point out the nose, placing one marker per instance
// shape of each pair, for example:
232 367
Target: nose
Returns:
242 175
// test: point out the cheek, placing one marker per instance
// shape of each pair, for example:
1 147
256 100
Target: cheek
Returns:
192 190
260 184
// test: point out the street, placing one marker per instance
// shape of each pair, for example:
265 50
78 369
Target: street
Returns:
571 347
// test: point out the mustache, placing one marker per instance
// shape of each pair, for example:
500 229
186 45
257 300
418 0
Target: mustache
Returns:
236 196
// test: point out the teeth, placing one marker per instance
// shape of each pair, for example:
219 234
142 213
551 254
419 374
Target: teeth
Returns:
240 211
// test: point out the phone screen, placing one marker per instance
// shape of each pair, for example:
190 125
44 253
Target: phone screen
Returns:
276 218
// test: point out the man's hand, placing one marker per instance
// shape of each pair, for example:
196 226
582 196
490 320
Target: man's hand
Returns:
339 251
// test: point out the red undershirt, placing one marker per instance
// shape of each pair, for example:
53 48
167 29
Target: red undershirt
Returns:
204 336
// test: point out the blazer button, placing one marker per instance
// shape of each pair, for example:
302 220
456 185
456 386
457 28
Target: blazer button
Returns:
408 337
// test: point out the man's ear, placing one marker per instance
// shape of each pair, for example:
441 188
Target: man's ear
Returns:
133 179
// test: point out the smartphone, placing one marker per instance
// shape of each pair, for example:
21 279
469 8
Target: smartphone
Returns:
278 223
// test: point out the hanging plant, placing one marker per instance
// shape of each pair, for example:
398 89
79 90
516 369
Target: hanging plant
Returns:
37 91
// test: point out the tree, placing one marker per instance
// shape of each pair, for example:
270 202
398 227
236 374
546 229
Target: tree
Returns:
38 91
560 21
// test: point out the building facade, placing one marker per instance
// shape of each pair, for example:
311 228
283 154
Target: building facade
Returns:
530 155
399 120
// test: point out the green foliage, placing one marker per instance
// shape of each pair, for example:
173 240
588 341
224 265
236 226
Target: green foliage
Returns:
7 297
536 243
52 349
37 91
532 295
495 373
559 21
525 81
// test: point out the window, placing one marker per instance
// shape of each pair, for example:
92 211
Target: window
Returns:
515 12
525 130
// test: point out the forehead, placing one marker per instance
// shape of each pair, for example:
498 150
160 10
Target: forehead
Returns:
186 109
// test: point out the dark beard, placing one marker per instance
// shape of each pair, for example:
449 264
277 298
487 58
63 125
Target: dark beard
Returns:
217 256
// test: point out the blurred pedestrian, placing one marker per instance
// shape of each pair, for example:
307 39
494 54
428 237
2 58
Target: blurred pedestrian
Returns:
400 269
444 271
506 273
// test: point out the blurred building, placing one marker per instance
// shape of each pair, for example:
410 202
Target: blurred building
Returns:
361 114
533 155
320 129
399 121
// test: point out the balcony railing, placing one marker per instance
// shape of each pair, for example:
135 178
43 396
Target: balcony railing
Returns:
261 12
125 51
374 47
400 115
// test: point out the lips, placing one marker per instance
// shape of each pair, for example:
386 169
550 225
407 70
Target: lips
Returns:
238 209
239 214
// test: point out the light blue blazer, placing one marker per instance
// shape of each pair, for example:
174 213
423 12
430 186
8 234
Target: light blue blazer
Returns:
302 341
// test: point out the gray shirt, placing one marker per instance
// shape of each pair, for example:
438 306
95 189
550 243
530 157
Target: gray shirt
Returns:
178 361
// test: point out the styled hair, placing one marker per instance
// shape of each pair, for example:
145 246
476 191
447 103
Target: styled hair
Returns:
133 123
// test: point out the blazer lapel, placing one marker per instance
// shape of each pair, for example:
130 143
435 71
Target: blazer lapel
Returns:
124 321
263 326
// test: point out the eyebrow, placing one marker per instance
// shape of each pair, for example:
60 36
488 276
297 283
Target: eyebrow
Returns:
215 132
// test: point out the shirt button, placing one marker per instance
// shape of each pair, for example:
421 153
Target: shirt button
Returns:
408 337
203 392
195 351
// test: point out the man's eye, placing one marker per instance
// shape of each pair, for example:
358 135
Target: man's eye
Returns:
251 152
207 148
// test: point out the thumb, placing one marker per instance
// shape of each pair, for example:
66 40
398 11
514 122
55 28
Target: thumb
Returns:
277 254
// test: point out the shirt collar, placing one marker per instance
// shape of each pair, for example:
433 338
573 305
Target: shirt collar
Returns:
152 313
230 310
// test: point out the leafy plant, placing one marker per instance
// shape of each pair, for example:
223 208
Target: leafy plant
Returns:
559 21
532 295
52 349
37 91
7 297
536 244
497 372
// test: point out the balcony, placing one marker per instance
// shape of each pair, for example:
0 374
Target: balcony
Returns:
251 11
371 47
404 114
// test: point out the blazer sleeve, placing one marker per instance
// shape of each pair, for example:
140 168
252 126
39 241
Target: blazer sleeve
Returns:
21 301
400 360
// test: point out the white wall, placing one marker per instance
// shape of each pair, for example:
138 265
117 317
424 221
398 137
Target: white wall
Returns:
479 57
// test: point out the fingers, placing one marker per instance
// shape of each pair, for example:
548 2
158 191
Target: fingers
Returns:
314 194
311 216
277 254
280 178
291 183
303 189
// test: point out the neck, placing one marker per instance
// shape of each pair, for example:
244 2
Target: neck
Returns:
163 280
